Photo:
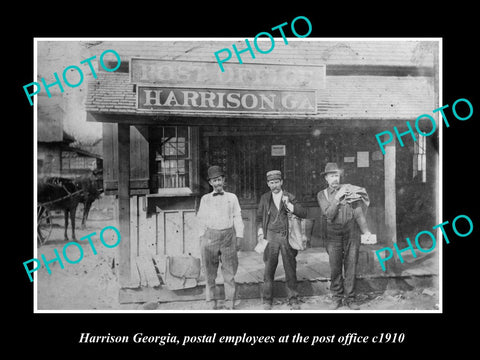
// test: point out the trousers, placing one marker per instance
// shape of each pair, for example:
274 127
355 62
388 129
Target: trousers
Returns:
278 244
343 245
219 246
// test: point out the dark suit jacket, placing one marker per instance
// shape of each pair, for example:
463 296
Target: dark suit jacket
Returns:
263 212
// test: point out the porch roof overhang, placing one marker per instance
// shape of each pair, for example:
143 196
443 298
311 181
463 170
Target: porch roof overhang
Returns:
112 98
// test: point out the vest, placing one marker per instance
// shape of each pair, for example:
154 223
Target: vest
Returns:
278 219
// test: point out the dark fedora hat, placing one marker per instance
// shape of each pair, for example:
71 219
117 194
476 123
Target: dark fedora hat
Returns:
215 171
332 167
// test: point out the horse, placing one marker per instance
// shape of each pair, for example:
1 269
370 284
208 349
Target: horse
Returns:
57 193
60 193
91 192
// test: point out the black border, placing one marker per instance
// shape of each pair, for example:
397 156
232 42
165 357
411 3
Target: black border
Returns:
425 333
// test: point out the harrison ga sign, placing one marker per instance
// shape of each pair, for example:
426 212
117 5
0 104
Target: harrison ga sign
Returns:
181 85
226 100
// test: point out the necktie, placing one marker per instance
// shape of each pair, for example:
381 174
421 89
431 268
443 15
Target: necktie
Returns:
218 193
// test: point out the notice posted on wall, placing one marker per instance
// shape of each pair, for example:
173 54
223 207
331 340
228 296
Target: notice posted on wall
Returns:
363 159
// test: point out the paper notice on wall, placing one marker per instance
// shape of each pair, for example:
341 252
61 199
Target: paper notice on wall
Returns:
349 159
278 150
362 159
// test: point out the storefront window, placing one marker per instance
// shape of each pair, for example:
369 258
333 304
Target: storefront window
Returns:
173 157
65 161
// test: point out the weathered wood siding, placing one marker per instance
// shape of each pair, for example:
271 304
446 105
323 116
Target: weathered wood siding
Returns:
139 159
166 232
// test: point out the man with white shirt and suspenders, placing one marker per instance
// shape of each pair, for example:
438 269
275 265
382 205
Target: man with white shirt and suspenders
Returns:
221 232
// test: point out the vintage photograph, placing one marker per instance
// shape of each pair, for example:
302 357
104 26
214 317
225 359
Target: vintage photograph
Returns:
164 184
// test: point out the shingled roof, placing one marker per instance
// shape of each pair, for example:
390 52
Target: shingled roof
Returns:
400 86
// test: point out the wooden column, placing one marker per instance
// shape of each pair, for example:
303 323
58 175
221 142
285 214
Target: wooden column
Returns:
123 145
390 197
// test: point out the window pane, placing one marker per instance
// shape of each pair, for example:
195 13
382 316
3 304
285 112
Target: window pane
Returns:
168 149
182 132
65 163
181 148
169 131
173 168
419 160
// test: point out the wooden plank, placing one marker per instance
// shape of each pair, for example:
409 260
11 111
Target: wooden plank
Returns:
160 264
139 154
192 241
251 259
147 230
319 271
109 152
174 241
249 238
136 184
141 271
133 227
160 220
142 245
146 294
243 276
123 145
390 198
149 267
305 273
279 273
252 262
257 274
135 278
181 229
195 156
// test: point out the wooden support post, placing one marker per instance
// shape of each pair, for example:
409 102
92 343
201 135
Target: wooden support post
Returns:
390 197
125 261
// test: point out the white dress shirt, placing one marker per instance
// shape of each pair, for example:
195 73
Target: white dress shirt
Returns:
220 212
277 198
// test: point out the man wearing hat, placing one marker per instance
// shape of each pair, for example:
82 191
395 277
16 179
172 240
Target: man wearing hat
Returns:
272 225
221 232
343 207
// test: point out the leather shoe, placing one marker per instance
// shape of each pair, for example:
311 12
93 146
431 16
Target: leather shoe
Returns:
267 306
336 303
351 305
212 305
229 305
294 304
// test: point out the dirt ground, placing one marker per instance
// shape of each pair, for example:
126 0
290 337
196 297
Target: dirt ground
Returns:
91 283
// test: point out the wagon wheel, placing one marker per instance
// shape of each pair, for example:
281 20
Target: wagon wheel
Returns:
44 225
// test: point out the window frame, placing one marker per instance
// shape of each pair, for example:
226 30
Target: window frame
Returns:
419 161
191 163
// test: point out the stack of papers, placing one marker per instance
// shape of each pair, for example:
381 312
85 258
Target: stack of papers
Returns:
368 239
261 245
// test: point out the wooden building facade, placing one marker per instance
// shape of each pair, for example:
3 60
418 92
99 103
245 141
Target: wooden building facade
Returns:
57 152
168 113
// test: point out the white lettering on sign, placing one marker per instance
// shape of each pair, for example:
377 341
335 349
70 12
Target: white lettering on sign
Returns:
152 98
205 74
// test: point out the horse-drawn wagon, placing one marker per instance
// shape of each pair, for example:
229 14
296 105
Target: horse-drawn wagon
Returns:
59 193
